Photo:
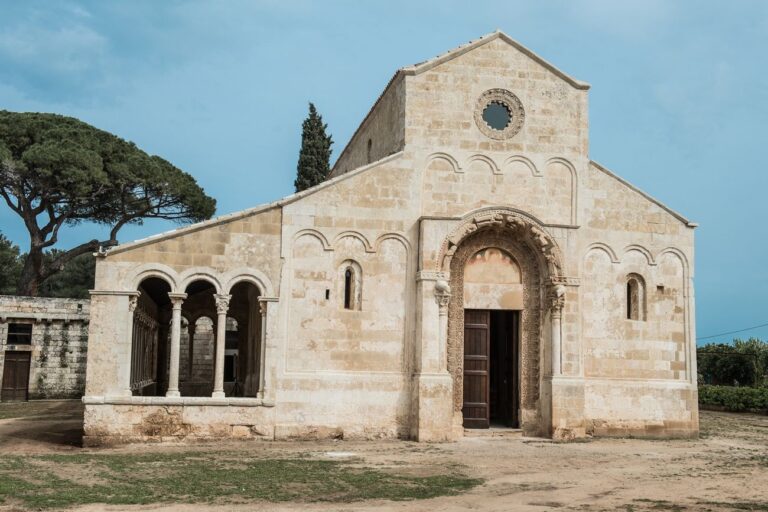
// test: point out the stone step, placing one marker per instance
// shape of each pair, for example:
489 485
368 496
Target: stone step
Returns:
493 432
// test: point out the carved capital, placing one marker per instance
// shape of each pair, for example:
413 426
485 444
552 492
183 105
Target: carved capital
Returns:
263 307
177 299
222 303
133 301
557 298
442 294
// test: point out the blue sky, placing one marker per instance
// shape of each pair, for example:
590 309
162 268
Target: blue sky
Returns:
678 105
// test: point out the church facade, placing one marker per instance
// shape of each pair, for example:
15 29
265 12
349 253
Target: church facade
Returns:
466 265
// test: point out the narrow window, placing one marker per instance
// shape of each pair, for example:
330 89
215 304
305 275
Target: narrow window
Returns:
351 277
635 297
348 288
19 334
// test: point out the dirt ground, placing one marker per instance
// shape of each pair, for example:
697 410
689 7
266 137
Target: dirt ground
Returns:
726 469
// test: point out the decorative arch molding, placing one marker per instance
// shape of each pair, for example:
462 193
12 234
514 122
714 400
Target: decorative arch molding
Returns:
250 275
158 270
676 252
354 234
392 236
525 161
600 246
642 250
574 184
315 233
445 157
523 226
199 274
486 159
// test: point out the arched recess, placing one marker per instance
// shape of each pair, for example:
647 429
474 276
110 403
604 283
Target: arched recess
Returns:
526 162
607 249
149 335
146 270
442 157
251 275
352 234
540 262
642 250
244 349
562 190
196 274
199 302
489 162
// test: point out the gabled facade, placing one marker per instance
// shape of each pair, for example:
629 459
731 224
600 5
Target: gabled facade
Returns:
465 265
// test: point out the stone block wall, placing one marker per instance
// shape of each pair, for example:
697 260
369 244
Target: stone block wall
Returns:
58 345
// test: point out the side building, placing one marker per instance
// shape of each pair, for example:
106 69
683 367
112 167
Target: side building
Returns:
44 346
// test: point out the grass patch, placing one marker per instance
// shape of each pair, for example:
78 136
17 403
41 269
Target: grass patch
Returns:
55 481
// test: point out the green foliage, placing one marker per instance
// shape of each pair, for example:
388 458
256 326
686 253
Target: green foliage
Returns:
73 280
736 399
315 155
10 266
54 481
57 171
742 362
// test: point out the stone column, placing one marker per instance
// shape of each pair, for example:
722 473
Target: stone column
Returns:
125 374
443 299
177 299
222 306
262 348
557 302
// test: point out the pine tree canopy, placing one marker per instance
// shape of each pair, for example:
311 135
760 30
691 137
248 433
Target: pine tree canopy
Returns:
315 155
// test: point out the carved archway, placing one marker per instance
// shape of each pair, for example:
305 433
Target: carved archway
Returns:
540 261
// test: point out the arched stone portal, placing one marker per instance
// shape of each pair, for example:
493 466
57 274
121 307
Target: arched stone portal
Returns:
539 261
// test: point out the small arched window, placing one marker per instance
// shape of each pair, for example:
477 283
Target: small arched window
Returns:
352 279
635 297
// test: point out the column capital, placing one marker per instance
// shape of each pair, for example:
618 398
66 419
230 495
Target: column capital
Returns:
133 301
222 303
442 294
556 298
177 299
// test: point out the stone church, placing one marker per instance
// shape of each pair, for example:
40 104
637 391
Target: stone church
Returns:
465 266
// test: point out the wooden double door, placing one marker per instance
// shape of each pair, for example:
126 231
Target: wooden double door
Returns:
15 376
491 362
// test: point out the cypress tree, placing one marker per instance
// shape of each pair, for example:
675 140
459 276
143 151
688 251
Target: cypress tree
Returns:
315 155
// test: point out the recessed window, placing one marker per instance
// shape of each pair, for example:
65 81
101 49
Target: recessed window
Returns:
352 279
497 115
635 297
19 334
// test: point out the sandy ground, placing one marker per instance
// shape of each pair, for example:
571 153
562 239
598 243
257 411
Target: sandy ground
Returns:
727 469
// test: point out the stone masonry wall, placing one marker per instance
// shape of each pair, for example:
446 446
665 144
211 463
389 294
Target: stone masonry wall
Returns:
59 342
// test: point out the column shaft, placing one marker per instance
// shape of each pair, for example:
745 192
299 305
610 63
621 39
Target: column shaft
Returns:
222 306
177 299
262 348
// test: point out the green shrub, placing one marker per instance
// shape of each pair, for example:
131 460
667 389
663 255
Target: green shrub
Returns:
736 399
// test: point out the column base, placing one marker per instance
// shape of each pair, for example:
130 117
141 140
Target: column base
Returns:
173 394
433 408
217 394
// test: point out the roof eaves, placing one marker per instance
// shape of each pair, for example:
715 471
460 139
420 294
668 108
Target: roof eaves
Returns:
231 217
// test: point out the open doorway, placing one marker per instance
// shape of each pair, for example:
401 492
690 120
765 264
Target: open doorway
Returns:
491 368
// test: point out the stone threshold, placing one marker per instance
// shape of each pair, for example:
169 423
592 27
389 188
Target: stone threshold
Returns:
183 400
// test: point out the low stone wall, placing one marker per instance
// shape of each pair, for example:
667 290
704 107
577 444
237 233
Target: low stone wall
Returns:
57 346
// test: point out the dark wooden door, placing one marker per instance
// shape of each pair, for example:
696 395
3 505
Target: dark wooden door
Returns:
477 353
16 376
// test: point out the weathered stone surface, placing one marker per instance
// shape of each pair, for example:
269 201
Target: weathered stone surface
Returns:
408 211
59 342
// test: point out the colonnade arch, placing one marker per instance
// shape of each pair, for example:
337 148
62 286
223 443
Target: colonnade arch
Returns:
200 342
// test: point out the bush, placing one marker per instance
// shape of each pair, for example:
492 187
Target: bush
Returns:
734 399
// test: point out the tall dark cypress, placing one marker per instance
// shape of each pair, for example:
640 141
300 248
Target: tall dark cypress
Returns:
315 155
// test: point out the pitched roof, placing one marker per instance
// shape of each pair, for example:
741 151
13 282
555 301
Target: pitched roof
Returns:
420 67
416 69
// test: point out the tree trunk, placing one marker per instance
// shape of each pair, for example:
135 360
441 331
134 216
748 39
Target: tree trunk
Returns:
30 280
